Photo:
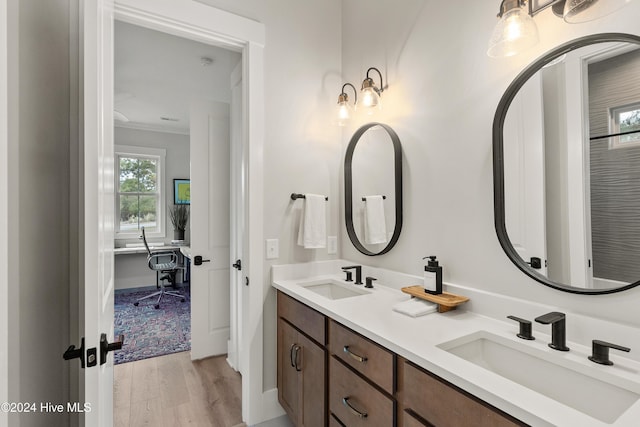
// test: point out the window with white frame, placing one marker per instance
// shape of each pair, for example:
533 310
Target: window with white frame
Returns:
138 188
622 120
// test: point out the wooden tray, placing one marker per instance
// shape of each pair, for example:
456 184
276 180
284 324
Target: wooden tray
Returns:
446 301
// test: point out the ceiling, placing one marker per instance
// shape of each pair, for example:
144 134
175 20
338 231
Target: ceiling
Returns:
157 74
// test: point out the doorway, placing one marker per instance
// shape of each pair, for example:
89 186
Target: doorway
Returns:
199 22
162 85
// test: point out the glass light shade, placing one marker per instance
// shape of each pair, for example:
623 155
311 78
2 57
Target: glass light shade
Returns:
577 11
515 32
370 99
344 111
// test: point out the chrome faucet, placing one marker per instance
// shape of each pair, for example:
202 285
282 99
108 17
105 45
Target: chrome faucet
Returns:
558 329
358 269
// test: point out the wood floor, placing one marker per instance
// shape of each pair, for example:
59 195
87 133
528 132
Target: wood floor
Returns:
172 391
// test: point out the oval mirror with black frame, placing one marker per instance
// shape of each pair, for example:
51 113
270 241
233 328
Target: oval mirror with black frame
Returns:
566 164
373 189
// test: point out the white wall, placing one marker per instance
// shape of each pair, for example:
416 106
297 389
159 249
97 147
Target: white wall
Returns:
4 213
443 93
38 158
302 147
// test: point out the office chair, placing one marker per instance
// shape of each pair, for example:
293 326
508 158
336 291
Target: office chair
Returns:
168 268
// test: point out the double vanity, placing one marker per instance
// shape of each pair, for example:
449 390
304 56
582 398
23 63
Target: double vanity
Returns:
567 218
346 358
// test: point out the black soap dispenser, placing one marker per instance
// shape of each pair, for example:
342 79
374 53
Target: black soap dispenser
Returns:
432 276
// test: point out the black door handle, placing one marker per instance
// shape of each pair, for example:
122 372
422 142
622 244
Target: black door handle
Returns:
197 260
535 262
106 347
237 265
75 353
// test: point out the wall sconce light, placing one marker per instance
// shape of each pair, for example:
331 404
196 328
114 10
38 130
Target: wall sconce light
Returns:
516 30
370 94
577 11
344 109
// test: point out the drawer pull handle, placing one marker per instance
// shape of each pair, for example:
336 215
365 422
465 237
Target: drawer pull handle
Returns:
354 411
360 359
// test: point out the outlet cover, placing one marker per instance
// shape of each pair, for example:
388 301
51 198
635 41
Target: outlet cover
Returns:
332 245
272 249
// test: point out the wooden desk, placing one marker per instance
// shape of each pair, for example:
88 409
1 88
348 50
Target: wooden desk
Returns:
143 250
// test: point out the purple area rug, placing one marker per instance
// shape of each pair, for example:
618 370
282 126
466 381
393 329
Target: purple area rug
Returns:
150 332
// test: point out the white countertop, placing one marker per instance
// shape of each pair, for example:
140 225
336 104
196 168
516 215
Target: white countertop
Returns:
416 339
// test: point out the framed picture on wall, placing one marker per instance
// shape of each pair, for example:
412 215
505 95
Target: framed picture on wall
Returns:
181 192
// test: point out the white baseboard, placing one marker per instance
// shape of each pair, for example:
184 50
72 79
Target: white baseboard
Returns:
282 421
270 406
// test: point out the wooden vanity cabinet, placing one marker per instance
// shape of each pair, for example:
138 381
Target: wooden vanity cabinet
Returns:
355 401
322 384
409 420
361 379
429 400
301 363
374 362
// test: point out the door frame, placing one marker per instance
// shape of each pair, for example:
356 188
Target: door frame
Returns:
578 165
193 20
237 201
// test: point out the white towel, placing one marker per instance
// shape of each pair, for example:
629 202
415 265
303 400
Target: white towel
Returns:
415 307
375 228
313 222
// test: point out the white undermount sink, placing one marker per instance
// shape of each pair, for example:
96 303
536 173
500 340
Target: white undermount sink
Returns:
588 389
332 289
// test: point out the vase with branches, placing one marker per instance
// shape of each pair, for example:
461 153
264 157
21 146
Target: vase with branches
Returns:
179 215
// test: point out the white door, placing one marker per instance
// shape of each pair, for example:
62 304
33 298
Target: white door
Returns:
210 228
525 214
97 198
236 218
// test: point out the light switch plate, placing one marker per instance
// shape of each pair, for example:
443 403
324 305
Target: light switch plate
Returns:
332 245
272 249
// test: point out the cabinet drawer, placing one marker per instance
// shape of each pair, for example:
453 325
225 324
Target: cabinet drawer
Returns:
411 421
354 401
302 317
333 422
443 405
374 362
